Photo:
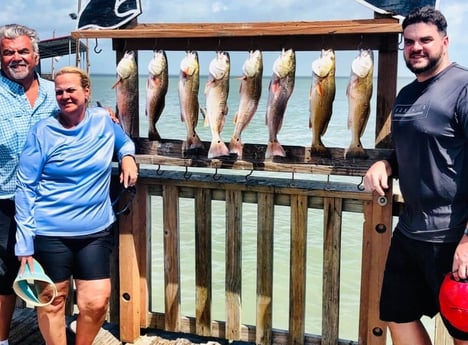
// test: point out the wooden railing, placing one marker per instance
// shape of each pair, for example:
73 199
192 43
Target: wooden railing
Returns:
299 195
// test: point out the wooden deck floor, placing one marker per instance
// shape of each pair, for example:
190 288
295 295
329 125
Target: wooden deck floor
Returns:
25 331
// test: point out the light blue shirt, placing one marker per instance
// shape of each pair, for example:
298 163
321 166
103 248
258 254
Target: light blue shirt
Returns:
16 118
64 177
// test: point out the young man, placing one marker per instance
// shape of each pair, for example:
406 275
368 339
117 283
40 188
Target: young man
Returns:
25 98
430 137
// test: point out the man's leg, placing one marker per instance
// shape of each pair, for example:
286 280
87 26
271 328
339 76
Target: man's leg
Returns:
409 333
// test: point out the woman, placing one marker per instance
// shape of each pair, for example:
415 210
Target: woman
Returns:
63 209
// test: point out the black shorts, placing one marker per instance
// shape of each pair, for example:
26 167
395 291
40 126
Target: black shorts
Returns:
9 263
413 274
85 257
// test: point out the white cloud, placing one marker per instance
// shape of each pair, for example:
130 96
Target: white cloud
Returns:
218 7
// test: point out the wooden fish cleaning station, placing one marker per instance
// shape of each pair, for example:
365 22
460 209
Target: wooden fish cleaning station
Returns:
130 302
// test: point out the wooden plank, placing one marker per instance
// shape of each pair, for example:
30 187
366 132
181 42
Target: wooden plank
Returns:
386 92
203 261
298 158
265 227
441 336
377 231
171 257
245 29
133 229
141 220
332 217
297 280
233 264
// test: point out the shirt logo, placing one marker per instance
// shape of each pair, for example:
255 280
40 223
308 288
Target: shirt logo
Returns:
410 112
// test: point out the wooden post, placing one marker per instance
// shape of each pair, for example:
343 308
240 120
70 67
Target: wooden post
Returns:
233 264
133 251
265 221
297 280
171 257
376 240
332 215
203 261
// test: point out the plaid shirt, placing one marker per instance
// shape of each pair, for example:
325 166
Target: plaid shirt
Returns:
16 117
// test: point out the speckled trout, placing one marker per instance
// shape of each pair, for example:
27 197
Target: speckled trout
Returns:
126 88
359 92
156 89
321 97
250 92
280 89
189 84
216 93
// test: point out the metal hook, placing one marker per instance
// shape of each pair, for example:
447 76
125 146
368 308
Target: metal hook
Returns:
96 50
360 186
293 183
399 42
249 174
187 174
360 43
327 185
216 176
155 44
158 171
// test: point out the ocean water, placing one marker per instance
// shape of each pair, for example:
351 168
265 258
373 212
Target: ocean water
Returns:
295 131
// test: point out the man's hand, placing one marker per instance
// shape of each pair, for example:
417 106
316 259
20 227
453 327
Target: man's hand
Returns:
376 178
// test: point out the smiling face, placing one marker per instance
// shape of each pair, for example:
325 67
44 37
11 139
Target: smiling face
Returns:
425 50
18 58
72 97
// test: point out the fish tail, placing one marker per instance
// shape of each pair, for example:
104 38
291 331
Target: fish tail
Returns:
235 146
274 148
319 150
153 134
355 150
218 148
193 142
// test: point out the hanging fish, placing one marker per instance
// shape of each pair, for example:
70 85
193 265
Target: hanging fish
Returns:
250 91
156 89
321 97
126 88
189 84
359 92
280 89
216 92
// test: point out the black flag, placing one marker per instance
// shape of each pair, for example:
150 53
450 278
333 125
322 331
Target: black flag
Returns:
108 14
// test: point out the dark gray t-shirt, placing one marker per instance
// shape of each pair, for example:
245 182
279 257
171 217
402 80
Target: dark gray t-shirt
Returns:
430 136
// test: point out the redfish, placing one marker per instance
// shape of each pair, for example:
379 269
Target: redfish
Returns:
189 84
216 93
156 89
127 91
250 91
280 89
321 97
359 92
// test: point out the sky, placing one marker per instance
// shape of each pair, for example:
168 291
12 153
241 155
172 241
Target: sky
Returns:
51 18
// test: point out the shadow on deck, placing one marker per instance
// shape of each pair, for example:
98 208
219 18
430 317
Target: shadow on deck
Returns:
25 331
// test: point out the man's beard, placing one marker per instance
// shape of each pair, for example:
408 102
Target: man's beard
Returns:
432 63
19 74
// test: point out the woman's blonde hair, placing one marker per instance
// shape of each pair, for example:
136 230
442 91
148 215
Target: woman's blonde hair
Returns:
84 77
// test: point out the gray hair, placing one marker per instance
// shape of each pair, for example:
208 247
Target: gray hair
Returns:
12 31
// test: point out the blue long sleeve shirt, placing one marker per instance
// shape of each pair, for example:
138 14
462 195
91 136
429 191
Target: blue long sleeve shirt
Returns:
16 118
64 177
